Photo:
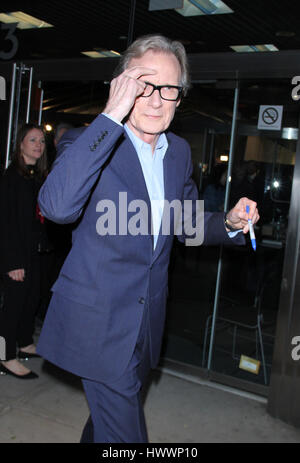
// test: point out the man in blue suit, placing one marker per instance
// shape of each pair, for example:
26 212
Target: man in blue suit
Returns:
106 318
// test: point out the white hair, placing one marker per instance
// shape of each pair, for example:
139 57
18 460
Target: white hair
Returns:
157 43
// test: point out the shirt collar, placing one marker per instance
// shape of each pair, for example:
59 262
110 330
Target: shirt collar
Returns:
162 142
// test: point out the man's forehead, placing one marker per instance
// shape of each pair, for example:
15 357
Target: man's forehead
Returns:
166 64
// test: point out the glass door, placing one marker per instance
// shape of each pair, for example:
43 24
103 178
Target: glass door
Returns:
223 301
193 270
250 286
21 109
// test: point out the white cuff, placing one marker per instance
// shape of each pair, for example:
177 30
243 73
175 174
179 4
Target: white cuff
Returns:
112 119
233 234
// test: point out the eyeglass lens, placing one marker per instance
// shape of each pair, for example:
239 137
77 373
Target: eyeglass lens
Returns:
166 92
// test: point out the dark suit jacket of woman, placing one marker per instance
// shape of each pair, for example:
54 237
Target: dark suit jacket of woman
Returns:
20 228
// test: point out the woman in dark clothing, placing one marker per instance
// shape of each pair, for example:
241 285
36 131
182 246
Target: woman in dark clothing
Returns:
21 231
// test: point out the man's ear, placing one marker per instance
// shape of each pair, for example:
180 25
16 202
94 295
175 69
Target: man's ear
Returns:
178 102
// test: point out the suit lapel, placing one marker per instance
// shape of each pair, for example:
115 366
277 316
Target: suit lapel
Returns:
128 167
170 193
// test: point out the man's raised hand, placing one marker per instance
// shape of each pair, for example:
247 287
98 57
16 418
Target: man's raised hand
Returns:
124 90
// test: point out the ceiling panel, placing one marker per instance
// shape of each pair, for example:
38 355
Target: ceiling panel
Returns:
79 25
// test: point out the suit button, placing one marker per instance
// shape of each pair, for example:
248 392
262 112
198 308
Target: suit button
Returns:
141 300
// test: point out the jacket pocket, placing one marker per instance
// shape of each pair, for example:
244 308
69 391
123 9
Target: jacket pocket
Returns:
75 290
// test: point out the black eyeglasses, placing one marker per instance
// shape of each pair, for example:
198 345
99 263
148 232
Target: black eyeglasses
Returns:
167 92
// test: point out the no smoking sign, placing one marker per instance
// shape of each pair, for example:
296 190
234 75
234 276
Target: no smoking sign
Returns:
270 117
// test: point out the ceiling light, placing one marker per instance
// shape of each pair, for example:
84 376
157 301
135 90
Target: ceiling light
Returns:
203 7
48 127
25 21
91 54
285 34
101 53
253 48
155 5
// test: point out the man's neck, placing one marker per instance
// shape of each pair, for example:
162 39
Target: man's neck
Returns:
149 138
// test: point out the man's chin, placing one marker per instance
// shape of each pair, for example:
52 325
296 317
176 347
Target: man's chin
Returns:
153 127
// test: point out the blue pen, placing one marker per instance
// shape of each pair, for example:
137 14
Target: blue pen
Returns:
251 230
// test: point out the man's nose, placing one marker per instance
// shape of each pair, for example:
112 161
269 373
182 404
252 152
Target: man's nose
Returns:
155 98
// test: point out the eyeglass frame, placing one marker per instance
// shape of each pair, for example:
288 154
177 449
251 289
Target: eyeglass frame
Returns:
159 87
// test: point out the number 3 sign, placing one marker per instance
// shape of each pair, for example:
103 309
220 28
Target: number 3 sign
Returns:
12 39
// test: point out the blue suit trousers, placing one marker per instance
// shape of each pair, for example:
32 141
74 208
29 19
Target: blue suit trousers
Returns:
116 408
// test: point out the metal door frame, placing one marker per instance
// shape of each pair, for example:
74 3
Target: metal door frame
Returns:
19 70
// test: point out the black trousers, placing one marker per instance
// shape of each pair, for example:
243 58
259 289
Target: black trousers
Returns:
21 301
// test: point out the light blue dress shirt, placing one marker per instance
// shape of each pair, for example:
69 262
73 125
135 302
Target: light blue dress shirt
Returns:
153 170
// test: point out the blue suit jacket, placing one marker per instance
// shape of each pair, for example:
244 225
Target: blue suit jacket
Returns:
108 281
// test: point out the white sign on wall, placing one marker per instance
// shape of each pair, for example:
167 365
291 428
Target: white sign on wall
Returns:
270 117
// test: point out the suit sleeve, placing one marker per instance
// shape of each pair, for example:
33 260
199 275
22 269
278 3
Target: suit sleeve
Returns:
76 169
209 228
